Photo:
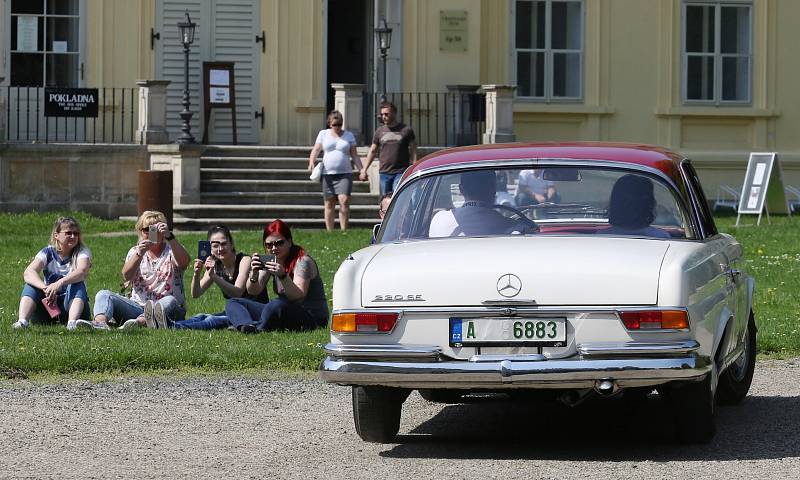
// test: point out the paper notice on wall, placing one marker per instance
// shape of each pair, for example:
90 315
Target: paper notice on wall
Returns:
219 77
752 200
59 46
27 33
758 177
219 95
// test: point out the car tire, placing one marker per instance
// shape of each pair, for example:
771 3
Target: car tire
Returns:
734 383
438 395
376 412
694 406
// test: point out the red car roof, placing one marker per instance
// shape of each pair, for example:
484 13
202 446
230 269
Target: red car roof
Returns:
647 155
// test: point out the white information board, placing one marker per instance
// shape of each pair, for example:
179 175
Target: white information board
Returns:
762 189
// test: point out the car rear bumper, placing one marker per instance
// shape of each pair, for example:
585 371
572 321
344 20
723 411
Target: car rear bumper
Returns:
425 367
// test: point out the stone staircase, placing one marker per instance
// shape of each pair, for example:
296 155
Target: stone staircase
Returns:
245 187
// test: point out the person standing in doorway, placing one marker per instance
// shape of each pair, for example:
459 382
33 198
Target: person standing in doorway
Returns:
340 155
398 149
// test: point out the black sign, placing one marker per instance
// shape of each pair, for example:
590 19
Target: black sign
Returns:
70 102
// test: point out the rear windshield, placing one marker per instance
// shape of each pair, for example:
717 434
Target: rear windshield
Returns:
537 201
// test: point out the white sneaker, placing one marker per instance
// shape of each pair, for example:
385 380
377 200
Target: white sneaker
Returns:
129 324
79 324
21 323
161 317
149 315
99 326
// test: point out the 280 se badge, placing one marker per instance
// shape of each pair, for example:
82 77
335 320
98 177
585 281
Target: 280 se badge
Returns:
398 298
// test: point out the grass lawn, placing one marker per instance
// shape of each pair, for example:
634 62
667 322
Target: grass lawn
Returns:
772 255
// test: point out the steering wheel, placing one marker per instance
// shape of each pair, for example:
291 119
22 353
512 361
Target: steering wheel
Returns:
521 216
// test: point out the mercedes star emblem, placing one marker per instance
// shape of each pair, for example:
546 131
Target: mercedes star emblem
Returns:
509 285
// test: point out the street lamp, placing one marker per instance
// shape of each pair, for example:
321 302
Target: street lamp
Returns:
186 30
384 36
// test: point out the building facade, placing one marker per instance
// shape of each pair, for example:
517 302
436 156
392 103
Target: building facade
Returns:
710 78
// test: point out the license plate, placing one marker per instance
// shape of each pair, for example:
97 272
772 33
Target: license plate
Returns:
487 331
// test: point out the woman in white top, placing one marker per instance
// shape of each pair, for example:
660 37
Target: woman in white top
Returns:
340 155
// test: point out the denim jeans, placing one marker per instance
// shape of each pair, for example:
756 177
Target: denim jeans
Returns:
203 321
120 308
389 182
63 300
278 314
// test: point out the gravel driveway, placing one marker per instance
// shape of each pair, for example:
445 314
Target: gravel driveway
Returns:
299 427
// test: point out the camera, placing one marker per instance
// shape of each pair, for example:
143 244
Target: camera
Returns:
152 233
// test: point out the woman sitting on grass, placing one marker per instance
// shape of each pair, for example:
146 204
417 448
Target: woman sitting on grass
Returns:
225 268
61 295
154 268
300 302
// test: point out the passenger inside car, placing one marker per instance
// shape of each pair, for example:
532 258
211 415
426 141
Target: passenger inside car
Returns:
631 208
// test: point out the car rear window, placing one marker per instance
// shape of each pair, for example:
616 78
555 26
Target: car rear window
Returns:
536 201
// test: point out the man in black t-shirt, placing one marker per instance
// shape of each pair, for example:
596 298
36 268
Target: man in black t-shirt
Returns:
398 149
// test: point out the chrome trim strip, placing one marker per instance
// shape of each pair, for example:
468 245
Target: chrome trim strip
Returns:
559 373
526 357
521 309
423 352
638 348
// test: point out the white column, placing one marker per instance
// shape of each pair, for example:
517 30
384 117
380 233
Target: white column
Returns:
152 112
349 100
499 113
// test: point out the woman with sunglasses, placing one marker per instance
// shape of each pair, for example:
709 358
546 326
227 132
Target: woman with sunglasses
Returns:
225 268
54 280
300 303
154 269
340 155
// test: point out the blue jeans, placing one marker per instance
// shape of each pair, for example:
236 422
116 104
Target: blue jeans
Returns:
203 321
278 314
64 299
389 182
120 308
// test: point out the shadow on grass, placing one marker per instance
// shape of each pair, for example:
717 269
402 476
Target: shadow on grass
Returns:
612 430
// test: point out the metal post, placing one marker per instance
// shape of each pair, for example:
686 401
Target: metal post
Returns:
383 79
186 115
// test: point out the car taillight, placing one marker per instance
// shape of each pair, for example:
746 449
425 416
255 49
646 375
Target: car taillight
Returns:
363 322
655 319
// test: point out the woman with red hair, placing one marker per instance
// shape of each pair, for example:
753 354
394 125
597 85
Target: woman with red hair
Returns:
300 302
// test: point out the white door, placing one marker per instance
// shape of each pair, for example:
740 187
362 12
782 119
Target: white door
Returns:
226 32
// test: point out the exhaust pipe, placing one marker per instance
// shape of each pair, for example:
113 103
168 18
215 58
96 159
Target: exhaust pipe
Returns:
606 387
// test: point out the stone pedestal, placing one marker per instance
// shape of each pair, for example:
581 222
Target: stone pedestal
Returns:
349 100
152 112
499 113
465 129
184 162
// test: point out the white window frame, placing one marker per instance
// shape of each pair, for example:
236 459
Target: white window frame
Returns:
81 16
717 55
548 53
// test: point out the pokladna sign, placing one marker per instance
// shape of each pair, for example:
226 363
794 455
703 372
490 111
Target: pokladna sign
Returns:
70 102
762 190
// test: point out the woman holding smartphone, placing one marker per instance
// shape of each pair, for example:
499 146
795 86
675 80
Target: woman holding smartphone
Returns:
300 302
154 268
225 268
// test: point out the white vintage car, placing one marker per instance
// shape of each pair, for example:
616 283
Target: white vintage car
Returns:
604 275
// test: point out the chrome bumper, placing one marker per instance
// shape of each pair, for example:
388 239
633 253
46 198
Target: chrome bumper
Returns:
425 367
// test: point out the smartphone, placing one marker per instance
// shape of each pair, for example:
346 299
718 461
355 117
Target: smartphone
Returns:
268 257
152 233
52 308
203 249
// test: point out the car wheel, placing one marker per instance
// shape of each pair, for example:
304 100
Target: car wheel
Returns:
694 406
437 395
734 383
376 412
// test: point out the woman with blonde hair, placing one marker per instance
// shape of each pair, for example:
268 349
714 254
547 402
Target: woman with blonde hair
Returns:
54 280
154 269
339 147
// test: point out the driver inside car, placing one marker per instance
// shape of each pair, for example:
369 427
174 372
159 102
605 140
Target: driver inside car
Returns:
477 216
532 189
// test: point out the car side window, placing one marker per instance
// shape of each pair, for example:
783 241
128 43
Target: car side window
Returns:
703 211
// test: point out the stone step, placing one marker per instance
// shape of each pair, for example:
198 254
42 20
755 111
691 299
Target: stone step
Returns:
223 212
247 185
273 198
254 162
253 174
202 224
256 151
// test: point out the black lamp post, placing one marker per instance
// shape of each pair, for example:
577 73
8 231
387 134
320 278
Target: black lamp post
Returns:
186 30
384 36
